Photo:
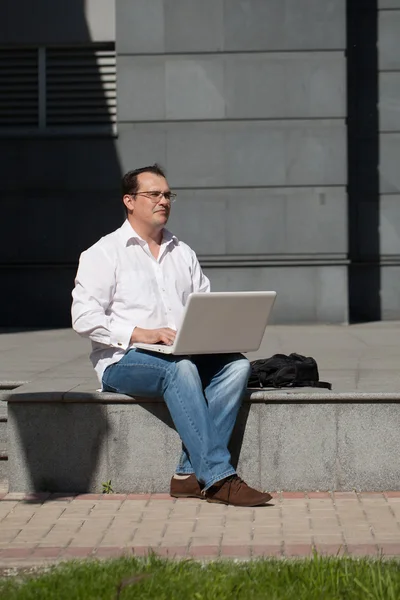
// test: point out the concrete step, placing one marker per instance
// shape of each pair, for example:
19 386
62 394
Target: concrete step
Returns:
292 440
5 388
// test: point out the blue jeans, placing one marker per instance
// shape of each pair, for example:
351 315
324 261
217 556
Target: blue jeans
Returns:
203 394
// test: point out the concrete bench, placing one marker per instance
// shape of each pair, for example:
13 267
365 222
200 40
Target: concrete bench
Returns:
72 439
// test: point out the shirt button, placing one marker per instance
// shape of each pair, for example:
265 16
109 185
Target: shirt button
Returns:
119 344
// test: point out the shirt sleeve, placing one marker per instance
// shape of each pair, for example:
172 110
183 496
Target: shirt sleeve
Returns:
201 283
93 293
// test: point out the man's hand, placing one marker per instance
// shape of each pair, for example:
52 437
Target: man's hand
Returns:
164 335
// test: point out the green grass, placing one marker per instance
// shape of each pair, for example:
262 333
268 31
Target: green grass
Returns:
312 579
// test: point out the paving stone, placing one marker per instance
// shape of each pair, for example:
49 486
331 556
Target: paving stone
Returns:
109 552
46 552
362 549
264 550
77 552
204 551
297 549
204 540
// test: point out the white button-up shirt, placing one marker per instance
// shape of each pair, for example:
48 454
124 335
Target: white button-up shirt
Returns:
120 285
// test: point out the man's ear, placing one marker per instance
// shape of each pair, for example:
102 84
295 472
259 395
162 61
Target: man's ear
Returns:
128 201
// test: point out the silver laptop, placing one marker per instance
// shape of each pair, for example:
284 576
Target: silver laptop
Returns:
219 322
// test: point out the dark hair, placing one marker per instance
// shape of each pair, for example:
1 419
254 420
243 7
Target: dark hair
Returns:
130 184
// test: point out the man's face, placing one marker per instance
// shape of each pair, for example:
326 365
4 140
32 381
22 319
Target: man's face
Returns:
148 207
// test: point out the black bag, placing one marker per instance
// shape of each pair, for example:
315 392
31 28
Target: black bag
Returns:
281 371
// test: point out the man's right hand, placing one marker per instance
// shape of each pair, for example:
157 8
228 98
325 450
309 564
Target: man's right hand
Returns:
164 335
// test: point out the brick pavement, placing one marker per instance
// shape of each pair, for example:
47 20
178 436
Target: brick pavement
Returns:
45 528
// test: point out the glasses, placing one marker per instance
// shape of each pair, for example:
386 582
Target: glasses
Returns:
156 196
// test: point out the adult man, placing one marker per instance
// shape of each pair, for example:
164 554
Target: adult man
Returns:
132 286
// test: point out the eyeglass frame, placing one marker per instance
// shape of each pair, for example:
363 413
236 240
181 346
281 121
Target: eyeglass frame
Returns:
156 200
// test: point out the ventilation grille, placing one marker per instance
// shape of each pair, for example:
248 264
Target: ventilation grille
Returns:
19 88
80 86
58 88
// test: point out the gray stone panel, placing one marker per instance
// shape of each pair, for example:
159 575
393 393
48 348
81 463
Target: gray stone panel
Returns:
257 153
256 222
58 448
139 26
316 221
388 40
390 292
246 444
139 146
136 428
3 472
262 221
232 25
56 23
195 88
236 86
286 444
285 85
390 225
100 18
141 88
3 430
196 154
307 153
389 163
193 26
199 219
368 447
285 25
306 294
292 436
382 4
332 292
389 101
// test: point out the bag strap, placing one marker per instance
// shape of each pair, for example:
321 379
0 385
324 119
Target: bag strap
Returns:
320 384
315 384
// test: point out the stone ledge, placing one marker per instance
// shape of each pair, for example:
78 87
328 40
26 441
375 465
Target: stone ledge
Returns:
292 395
279 445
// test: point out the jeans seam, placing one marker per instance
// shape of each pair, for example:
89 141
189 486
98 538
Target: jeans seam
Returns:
188 416
172 378
219 477
181 471
156 367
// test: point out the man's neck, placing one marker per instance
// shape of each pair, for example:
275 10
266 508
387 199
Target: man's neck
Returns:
151 236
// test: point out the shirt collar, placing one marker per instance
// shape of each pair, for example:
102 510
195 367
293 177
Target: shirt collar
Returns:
128 233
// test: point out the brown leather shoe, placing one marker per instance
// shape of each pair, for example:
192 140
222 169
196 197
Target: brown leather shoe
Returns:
186 488
236 492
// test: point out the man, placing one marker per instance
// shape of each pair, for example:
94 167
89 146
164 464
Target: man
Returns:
132 286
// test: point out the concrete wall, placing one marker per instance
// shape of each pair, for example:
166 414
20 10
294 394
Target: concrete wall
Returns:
59 192
276 445
63 22
389 136
244 103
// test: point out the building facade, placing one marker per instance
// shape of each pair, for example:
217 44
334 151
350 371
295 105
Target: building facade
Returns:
277 123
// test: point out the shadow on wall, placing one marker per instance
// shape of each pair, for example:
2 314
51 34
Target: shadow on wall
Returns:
74 447
59 446
60 186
